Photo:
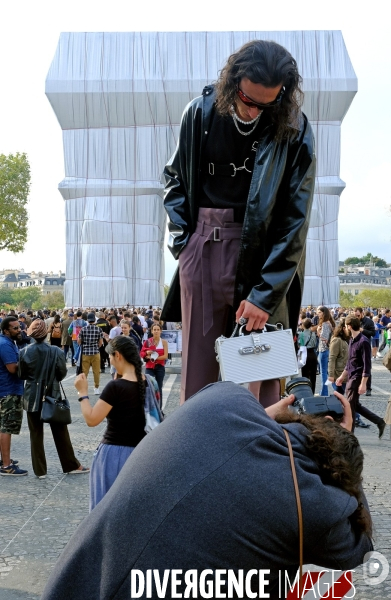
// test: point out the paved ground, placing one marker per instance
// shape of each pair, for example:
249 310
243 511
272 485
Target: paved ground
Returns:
39 516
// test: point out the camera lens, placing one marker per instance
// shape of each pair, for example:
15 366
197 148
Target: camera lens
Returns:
300 387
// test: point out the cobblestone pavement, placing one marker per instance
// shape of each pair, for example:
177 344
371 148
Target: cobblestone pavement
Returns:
39 516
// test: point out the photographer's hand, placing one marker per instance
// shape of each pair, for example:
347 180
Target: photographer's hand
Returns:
347 421
276 408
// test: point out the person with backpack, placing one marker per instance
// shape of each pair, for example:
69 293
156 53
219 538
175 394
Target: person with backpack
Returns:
74 329
55 332
122 404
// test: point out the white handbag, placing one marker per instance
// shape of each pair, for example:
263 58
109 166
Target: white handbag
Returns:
258 356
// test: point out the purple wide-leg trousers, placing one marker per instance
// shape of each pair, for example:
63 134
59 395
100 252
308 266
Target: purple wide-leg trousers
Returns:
207 267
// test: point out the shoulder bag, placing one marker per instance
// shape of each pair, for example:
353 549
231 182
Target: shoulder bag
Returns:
55 410
299 511
302 353
153 413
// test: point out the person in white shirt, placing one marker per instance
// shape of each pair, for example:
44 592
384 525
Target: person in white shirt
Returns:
115 328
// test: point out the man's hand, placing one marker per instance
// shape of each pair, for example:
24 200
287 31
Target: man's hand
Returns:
362 388
331 379
278 407
256 317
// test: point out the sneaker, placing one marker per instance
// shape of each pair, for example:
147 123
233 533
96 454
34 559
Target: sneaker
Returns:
362 424
96 391
381 427
41 476
103 370
13 471
13 462
368 393
79 471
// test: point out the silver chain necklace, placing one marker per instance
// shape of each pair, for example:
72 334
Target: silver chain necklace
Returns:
236 120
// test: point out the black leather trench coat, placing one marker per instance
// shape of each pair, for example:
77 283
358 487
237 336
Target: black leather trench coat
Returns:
42 366
270 270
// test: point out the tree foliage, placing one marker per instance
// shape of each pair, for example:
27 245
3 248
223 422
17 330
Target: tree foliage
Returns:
368 258
345 299
6 296
31 297
14 191
25 297
52 301
374 298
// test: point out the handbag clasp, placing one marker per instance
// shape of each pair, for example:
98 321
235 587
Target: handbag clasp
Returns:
255 349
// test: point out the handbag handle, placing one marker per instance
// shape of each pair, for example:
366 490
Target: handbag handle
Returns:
63 391
298 503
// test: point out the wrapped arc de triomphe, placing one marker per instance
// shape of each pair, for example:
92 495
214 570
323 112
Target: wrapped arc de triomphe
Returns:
119 98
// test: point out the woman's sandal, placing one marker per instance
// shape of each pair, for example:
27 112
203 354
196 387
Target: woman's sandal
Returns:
81 469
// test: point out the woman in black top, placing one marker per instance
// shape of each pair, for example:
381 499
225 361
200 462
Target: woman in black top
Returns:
122 403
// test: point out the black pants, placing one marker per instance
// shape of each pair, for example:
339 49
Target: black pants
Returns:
66 350
158 373
353 396
310 367
62 441
104 357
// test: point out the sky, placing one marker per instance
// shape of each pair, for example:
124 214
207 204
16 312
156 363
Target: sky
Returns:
29 32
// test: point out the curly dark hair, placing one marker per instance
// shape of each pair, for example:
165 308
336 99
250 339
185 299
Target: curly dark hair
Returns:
339 457
127 347
339 331
270 64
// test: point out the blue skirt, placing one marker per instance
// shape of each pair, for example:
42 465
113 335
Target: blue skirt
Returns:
107 462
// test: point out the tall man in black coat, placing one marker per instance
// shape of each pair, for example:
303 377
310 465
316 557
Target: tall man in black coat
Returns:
238 196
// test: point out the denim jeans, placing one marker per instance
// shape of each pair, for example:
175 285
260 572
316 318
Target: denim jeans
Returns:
76 350
339 388
158 373
324 363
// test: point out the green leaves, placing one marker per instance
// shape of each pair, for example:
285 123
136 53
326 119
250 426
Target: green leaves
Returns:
14 191
24 297
364 260
31 297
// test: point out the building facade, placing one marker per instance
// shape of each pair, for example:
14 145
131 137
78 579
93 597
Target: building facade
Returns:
18 278
356 279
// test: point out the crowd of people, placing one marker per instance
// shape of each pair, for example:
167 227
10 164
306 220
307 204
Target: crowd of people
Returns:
34 351
340 345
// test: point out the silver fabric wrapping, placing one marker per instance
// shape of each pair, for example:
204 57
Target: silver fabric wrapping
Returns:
119 98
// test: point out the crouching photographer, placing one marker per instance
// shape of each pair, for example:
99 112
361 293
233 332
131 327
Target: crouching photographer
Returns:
206 504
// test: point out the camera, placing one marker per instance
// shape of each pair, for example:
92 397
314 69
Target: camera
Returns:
307 404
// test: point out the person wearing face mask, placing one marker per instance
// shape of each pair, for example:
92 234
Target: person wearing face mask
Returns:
238 196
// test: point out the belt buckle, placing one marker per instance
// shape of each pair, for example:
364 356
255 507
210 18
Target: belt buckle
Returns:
211 168
216 234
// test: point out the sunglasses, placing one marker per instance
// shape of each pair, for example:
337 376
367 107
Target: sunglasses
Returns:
251 104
